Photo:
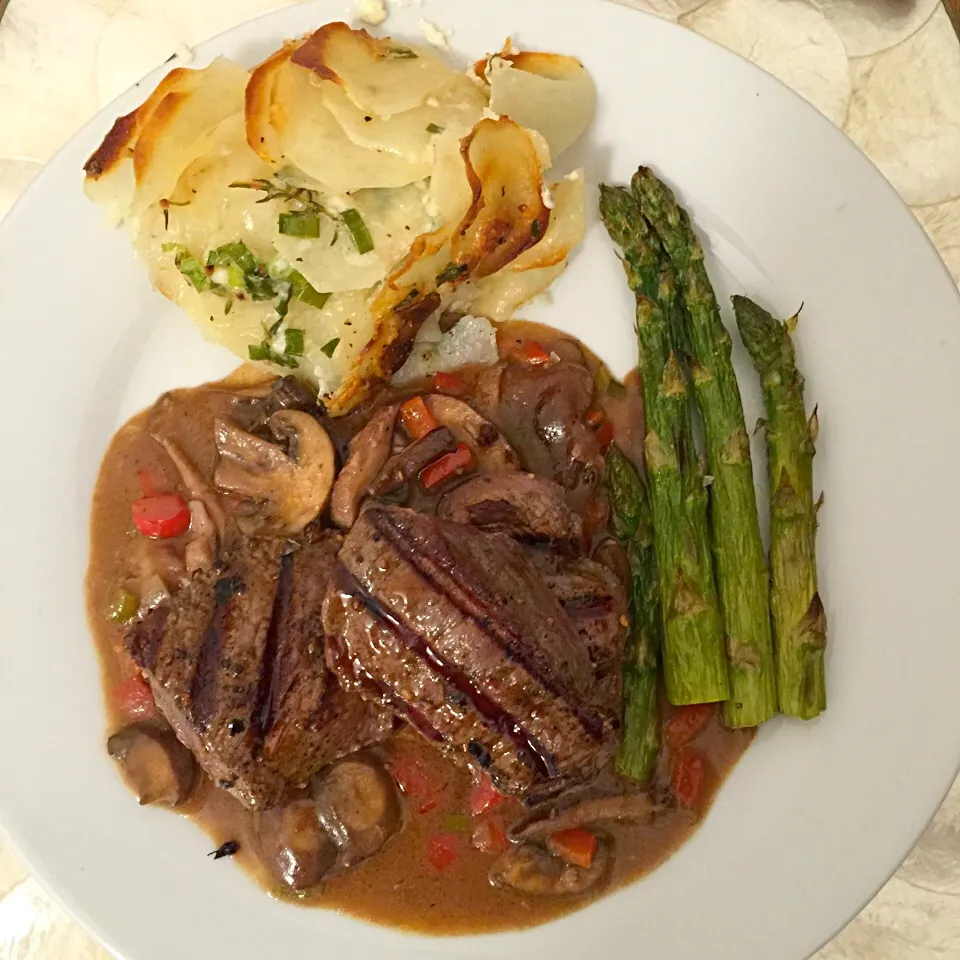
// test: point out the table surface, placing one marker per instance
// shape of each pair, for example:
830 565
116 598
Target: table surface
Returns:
886 71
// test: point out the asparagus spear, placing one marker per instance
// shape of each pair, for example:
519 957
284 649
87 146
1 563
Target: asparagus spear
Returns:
738 550
799 620
632 525
693 661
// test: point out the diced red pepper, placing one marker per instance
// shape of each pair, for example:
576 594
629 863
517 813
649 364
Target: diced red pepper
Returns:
134 699
687 723
450 465
161 517
483 796
449 383
414 782
442 850
531 352
417 420
686 776
489 835
605 434
576 846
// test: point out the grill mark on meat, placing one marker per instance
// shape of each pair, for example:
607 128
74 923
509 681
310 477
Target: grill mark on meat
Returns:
203 687
266 700
587 605
149 635
447 579
337 651
530 750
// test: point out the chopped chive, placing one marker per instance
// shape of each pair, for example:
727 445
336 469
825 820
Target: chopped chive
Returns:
330 347
450 272
293 342
235 277
257 351
299 223
456 823
124 606
358 230
303 290
194 271
261 288
398 53
535 228
434 128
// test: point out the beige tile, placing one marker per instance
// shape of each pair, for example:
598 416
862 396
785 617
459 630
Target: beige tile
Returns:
46 74
869 26
33 927
905 112
790 39
942 223
12 871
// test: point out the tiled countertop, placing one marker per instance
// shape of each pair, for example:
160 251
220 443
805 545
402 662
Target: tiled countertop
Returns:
886 71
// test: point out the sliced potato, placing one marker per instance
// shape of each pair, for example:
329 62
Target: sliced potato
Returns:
547 92
259 99
382 77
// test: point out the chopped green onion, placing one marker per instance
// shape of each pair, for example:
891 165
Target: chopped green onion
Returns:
358 230
173 248
235 277
450 272
123 607
261 288
264 352
398 53
194 271
434 128
293 342
227 307
456 823
303 290
299 223
330 347
237 252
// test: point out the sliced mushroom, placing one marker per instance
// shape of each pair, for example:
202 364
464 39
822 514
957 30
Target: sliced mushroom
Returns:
494 453
358 803
292 488
369 451
407 463
529 868
624 808
194 482
294 845
155 764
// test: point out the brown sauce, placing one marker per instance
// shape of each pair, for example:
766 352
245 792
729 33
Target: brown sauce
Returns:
398 886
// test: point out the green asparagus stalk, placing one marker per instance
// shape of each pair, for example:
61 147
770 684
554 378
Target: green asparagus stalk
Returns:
742 579
694 665
799 620
632 525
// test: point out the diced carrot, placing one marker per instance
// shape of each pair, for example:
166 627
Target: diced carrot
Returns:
489 835
134 699
442 850
417 420
576 846
449 383
686 776
531 352
594 417
450 465
483 796
687 723
161 517
414 782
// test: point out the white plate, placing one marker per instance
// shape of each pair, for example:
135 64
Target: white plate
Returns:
816 816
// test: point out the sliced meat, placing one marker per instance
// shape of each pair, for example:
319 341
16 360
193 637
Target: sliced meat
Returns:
593 598
235 663
307 721
458 626
521 504
369 451
543 414
493 451
406 464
